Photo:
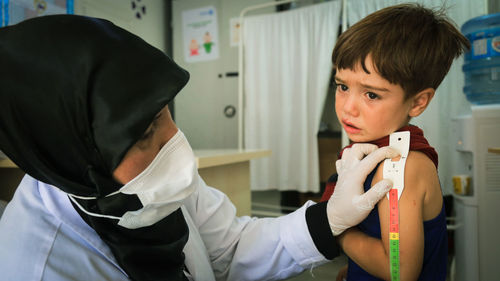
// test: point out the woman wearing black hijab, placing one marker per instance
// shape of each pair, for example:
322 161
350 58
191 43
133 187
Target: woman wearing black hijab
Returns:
112 190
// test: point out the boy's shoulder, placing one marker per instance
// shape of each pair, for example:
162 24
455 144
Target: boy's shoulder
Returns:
420 171
421 182
419 165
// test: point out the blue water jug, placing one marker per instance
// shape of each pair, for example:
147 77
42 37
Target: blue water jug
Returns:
482 62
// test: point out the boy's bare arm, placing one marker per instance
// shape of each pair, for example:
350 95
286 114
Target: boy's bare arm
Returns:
421 200
373 254
411 206
366 251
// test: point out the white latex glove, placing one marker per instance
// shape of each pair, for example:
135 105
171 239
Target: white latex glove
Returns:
349 205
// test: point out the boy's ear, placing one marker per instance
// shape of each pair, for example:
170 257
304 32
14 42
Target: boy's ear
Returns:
420 101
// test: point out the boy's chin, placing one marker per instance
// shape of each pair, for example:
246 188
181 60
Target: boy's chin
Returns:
361 138
356 137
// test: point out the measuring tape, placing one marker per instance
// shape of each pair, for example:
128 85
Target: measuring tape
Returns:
395 171
394 234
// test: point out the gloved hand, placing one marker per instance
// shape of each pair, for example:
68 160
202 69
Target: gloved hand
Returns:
349 205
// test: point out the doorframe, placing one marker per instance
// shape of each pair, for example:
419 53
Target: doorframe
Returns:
169 45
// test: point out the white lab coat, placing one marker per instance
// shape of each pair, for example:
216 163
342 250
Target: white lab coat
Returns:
42 237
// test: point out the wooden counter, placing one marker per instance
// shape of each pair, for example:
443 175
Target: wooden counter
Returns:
6 163
495 150
225 169
229 171
10 176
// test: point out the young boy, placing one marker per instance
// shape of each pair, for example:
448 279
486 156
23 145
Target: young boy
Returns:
388 67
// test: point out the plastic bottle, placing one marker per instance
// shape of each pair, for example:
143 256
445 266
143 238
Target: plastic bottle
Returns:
482 62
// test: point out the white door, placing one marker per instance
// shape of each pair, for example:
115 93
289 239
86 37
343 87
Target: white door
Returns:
203 108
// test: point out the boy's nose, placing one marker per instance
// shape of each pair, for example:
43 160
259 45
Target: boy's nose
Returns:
350 105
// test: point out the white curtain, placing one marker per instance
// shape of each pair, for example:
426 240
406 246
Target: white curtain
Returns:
449 100
287 65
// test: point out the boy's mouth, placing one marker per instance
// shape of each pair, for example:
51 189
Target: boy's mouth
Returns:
350 128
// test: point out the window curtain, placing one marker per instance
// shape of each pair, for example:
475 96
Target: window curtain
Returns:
287 64
449 100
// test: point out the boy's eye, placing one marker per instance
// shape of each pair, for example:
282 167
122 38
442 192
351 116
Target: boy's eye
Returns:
342 87
371 95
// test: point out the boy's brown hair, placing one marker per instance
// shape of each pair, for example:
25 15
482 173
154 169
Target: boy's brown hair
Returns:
410 45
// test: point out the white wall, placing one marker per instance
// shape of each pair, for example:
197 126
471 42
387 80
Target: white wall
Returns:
447 103
150 27
199 107
449 100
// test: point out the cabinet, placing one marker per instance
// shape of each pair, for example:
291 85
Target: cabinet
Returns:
228 170
329 145
477 139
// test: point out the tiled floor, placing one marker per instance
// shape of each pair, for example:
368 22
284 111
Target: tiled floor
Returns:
325 272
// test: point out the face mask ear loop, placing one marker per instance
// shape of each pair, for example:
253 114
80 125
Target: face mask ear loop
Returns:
72 198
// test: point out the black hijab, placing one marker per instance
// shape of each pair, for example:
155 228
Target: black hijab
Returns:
75 94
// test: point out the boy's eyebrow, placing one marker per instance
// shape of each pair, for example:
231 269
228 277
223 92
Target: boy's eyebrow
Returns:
374 88
338 79
364 85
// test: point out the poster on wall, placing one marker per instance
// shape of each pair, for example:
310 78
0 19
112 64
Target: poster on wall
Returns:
200 33
12 12
234 29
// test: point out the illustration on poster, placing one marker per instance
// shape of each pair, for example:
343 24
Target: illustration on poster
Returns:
208 42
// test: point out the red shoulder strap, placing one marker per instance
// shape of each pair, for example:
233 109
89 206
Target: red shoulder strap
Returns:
417 143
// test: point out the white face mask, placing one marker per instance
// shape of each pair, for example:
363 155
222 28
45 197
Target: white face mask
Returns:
161 187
